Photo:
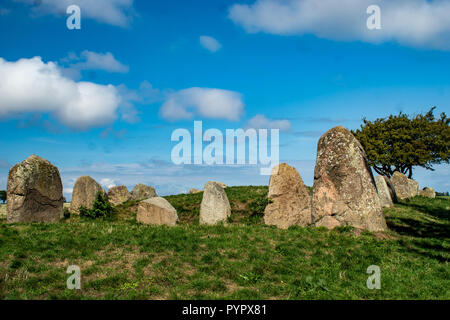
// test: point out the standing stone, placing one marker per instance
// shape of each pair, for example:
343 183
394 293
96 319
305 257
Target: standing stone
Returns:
391 189
215 207
385 191
223 185
34 192
413 188
157 211
404 188
141 192
118 195
344 187
84 194
291 200
427 192
194 191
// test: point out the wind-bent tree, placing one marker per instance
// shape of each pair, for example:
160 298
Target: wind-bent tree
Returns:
2 196
401 142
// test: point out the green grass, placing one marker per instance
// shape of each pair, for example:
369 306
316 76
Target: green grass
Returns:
245 205
121 259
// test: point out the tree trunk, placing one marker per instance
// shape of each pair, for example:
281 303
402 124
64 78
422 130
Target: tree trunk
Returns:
410 172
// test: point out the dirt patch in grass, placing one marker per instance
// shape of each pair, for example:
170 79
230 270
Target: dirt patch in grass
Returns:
232 286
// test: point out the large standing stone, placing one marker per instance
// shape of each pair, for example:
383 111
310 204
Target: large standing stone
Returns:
34 192
118 195
290 199
157 211
385 191
344 187
404 188
215 207
84 194
427 192
142 192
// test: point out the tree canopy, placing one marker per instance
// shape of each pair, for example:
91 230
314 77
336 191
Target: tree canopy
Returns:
401 142
2 196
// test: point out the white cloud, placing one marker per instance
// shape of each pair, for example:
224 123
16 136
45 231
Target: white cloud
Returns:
101 61
210 44
203 102
417 23
30 85
69 183
113 12
166 177
261 122
89 60
107 183
145 94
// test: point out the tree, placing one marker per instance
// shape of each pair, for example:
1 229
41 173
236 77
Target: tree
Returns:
2 196
101 208
401 142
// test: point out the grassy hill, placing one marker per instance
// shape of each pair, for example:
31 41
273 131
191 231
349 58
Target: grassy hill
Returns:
120 259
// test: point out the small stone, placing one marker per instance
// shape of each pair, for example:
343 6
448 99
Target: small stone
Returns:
2 211
118 195
142 192
215 207
404 188
427 192
157 211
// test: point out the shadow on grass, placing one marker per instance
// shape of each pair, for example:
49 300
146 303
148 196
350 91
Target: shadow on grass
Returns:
433 251
427 225
419 229
430 248
436 212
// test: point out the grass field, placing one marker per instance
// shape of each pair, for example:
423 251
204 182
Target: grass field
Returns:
120 259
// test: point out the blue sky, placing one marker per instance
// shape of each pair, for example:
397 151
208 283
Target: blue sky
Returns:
270 64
